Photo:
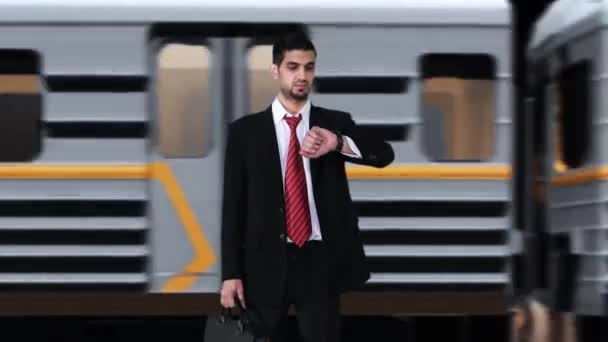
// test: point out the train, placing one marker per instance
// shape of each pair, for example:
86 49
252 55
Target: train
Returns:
114 125
562 192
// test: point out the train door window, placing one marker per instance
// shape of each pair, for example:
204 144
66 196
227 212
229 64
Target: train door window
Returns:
559 164
458 105
572 115
183 100
262 87
21 106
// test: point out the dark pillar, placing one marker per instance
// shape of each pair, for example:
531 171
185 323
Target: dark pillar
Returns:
524 14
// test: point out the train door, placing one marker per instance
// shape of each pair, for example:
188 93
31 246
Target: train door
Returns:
185 157
203 78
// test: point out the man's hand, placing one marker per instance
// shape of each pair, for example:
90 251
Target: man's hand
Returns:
231 289
318 142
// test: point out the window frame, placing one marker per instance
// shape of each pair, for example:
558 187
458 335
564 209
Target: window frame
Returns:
159 44
463 67
24 63
561 154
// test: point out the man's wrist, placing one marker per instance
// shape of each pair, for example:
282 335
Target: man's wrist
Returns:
339 142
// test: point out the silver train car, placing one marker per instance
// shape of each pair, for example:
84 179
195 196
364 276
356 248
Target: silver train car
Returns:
567 54
113 128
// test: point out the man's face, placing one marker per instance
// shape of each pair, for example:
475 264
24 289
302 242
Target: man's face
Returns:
295 74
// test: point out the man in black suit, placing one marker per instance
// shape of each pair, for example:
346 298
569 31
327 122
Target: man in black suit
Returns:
290 234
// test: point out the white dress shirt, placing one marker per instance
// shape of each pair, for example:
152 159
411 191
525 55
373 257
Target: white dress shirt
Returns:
283 133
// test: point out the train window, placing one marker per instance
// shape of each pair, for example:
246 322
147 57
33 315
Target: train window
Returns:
458 105
572 116
183 100
262 87
559 164
21 103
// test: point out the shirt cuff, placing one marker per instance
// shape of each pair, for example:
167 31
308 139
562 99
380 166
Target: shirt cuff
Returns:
352 146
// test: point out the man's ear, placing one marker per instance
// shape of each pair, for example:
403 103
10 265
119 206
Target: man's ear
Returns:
274 70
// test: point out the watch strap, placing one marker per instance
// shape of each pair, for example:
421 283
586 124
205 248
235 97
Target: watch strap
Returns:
340 142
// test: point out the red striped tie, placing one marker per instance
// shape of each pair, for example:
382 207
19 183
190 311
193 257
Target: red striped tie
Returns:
296 198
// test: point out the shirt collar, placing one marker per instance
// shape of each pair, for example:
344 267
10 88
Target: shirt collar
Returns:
278 111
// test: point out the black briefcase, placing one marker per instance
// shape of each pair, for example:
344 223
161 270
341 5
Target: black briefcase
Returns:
228 327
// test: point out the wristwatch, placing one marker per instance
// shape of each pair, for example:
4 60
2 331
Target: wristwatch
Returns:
340 140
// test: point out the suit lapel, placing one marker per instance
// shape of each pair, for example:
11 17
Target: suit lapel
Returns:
270 148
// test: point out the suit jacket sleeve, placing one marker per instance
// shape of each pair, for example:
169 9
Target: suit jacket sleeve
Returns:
374 150
233 205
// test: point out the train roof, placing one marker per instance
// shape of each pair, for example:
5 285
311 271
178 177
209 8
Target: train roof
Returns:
475 12
565 19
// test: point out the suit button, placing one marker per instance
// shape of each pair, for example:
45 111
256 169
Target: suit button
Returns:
282 236
372 157
281 210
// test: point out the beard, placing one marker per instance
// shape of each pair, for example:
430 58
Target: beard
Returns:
296 95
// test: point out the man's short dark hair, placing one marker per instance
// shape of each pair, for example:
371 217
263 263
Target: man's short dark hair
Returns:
291 41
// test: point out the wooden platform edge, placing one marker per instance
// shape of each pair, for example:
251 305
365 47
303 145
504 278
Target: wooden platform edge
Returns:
195 304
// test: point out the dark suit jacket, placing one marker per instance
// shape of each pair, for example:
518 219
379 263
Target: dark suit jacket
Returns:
253 221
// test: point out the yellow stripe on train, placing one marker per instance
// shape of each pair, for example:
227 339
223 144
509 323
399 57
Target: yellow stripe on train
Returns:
452 172
580 176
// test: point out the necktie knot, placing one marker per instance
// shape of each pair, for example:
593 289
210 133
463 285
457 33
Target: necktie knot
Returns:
293 121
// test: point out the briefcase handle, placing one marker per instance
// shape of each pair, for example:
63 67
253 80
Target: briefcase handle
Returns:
242 322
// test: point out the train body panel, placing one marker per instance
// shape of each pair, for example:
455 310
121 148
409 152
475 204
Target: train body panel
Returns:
570 40
87 50
477 12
